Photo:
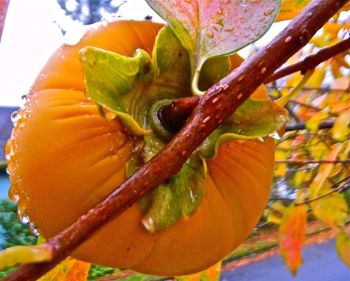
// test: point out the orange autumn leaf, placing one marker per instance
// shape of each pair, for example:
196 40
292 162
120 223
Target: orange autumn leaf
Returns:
68 270
291 235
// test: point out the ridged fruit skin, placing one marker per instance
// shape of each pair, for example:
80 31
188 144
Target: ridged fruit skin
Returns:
64 159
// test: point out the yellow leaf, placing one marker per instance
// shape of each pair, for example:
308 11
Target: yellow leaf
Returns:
331 209
24 254
343 247
324 172
317 77
290 8
275 213
314 121
68 270
340 130
211 274
280 170
292 235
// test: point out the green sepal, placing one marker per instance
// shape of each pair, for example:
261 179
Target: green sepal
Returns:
110 77
177 198
254 119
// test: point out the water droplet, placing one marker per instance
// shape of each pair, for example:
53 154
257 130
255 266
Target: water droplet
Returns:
240 78
288 39
104 22
263 70
269 11
243 3
239 96
14 117
220 21
206 119
215 100
210 34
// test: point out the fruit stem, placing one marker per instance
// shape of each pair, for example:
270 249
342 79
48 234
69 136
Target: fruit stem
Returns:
182 107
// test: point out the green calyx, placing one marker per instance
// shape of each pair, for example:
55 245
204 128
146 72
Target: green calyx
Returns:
133 89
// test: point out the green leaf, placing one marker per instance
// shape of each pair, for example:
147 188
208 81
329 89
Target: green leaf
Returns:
253 119
110 77
343 247
292 235
212 28
176 198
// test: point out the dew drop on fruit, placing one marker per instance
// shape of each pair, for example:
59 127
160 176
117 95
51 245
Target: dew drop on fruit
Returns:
104 22
269 11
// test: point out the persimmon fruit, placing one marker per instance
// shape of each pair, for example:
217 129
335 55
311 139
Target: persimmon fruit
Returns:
64 158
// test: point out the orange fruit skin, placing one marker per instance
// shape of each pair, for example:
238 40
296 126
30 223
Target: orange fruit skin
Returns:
64 159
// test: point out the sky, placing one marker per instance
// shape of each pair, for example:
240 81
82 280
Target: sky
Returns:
31 35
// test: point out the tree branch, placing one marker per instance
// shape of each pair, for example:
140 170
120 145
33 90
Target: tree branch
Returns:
302 162
328 124
3 11
220 101
312 61
338 189
180 110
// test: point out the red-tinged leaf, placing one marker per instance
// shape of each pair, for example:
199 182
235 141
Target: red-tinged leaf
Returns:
331 209
292 234
340 130
68 270
343 247
216 27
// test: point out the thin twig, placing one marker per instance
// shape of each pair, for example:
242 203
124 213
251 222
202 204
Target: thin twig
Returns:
321 90
305 162
308 63
312 61
338 189
220 101
328 124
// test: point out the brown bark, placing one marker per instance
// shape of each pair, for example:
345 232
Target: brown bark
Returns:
181 108
220 101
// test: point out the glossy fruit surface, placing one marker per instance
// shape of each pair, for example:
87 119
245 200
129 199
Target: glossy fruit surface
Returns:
65 158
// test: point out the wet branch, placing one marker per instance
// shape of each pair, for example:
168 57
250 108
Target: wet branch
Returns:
312 61
175 109
220 101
